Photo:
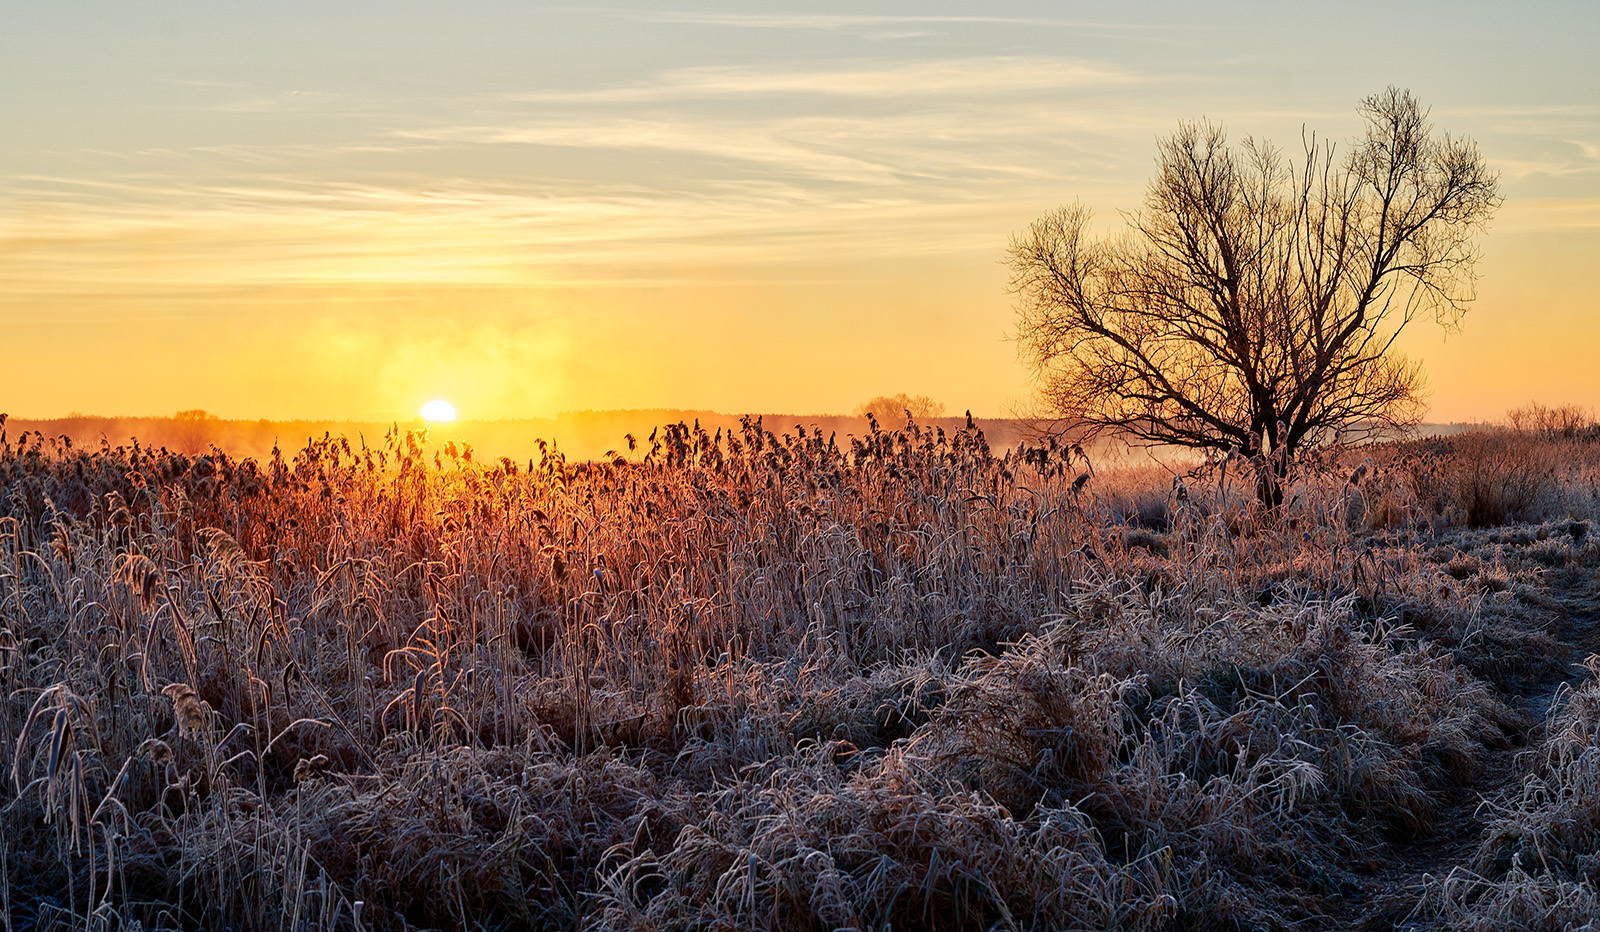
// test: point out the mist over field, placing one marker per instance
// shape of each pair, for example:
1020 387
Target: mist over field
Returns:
580 435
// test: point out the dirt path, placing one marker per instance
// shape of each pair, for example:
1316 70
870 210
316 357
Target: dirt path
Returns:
1393 895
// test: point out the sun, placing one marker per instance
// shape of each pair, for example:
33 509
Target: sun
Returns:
439 410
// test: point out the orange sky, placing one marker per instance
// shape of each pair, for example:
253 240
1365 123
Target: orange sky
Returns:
285 210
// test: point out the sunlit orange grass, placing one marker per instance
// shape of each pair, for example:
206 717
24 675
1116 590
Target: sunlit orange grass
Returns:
754 678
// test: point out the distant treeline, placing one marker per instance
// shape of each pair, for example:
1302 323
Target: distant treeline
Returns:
578 434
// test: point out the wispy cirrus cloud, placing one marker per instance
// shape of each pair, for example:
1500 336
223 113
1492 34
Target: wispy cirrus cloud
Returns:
555 168
964 78
1549 215
827 21
874 22
698 164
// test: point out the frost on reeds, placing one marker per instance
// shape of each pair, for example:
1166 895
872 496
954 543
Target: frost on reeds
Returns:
747 680
1539 865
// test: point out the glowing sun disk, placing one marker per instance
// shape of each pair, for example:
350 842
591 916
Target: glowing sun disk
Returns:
439 410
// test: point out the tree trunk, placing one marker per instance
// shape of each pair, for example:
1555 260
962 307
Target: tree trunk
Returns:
1272 474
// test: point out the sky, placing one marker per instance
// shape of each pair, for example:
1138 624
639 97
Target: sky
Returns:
342 210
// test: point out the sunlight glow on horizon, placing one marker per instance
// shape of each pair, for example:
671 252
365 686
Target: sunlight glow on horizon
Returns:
439 410
751 208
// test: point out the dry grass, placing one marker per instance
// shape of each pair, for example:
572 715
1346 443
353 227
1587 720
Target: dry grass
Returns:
748 680
1539 865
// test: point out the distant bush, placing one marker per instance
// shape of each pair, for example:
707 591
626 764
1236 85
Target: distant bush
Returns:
1566 421
1484 478
891 410
1494 478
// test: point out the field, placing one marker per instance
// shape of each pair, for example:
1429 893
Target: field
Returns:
768 679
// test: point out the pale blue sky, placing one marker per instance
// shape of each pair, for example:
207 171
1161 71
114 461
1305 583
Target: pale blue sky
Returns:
206 179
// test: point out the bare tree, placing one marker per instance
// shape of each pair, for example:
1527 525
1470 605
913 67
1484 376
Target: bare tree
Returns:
1254 304
889 409
192 430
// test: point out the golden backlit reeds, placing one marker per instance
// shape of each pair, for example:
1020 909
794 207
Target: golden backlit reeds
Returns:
766 678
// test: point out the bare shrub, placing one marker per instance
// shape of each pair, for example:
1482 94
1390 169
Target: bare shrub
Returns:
892 409
1562 421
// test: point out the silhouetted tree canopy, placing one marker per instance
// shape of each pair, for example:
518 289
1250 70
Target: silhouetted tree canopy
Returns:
1253 304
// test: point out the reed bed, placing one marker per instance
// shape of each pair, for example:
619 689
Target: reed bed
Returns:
749 679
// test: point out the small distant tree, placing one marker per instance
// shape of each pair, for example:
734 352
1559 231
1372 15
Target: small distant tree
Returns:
892 409
192 430
1254 304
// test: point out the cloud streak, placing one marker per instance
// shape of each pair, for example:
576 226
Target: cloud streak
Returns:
902 158
875 23
961 78
704 165
616 188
